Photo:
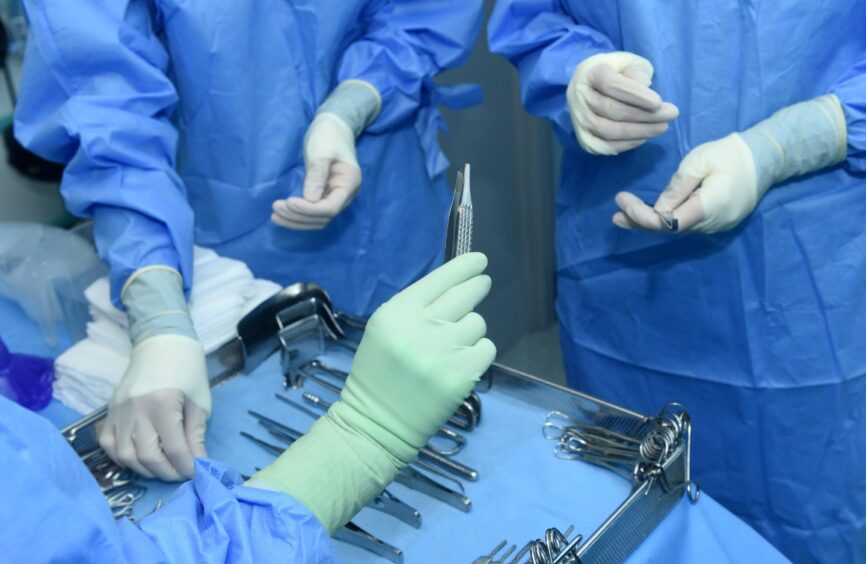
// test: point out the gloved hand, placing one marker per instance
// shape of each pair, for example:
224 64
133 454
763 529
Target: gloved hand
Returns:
612 107
333 175
158 414
719 183
421 354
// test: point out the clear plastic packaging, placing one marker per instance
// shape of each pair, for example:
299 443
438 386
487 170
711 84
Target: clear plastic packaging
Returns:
46 270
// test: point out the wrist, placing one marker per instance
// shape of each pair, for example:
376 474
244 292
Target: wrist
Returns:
797 140
332 470
381 426
356 102
156 305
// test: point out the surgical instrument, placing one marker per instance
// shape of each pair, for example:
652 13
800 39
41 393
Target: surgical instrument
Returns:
412 478
353 534
636 459
297 406
468 414
267 422
271 448
459 234
489 558
669 219
307 375
447 434
319 365
387 502
258 330
435 470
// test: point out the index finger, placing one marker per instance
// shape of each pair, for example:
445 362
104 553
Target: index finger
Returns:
452 273
619 87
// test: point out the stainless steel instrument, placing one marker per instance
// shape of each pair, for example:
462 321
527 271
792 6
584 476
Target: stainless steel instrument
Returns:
460 221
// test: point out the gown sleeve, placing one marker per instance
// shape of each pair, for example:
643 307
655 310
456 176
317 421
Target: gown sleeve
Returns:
405 43
53 511
95 96
546 44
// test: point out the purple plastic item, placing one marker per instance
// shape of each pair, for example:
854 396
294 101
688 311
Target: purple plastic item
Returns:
26 379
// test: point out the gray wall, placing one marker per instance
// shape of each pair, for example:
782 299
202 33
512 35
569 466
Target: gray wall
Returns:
513 182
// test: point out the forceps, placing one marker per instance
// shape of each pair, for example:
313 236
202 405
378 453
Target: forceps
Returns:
124 496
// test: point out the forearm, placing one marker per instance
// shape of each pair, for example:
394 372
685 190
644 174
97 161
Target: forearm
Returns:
155 304
332 470
797 140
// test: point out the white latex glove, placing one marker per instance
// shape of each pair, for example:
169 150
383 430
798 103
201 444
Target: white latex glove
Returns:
158 415
333 175
720 183
611 105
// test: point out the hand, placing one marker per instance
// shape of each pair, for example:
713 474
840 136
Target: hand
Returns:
714 189
333 176
612 108
421 354
720 183
157 417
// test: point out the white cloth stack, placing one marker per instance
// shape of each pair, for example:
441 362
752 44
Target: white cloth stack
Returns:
223 291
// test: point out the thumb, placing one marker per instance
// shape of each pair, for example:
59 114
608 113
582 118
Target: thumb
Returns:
316 180
195 426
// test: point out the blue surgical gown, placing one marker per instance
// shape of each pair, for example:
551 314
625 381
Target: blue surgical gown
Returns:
53 511
761 331
183 120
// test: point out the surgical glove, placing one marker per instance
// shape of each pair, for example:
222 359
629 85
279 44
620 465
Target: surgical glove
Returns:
158 414
421 355
611 105
333 175
720 183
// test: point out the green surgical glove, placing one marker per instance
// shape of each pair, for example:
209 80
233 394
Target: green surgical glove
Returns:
420 357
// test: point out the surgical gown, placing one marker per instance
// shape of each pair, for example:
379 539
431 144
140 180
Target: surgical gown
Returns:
53 511
761 331
183 120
